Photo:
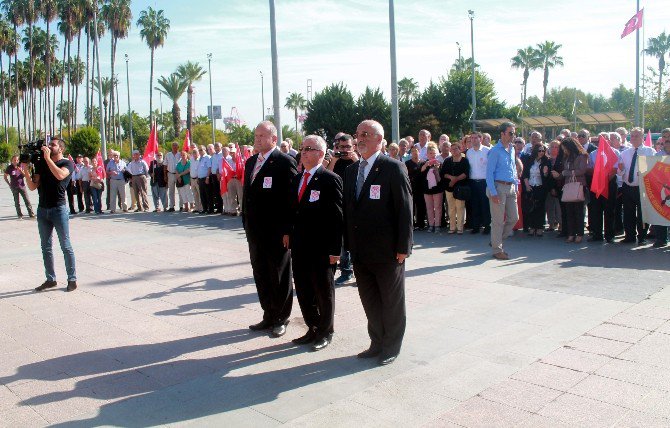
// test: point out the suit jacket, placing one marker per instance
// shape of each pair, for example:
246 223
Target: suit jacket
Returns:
266 212
317 219
544 161
377 229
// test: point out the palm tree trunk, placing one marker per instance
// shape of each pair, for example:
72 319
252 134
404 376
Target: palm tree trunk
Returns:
88 105
111 89
4 113
76 88
91 83
32 80
16 81
62 88
545 82
175 118
47 109
151 85
296 119
661 66
69 85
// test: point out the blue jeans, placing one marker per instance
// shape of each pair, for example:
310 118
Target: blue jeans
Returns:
97 203
345 262
47 220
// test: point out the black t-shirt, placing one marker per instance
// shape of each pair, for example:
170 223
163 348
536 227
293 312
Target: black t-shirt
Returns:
455 168
52 192
341 165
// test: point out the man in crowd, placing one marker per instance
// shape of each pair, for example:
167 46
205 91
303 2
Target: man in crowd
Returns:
317 201
601 209
266 217
378 225
158 174
203 180
117 182
85 183
15 180
171 160
623 132
76 182
634 227
215 178
51 178
477 157
139 170
403 150
486 139
234 197
195 184
343 156
424 138
584 138
445 149
501 187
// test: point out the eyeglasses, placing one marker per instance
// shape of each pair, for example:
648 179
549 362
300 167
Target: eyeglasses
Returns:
310 149
581 136
510 133
541 151
344 147
364 134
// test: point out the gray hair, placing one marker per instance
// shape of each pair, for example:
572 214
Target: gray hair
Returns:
379 129
320 142
270 126
621 130
615 136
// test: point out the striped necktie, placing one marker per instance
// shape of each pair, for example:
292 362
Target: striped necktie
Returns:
361 177
257 167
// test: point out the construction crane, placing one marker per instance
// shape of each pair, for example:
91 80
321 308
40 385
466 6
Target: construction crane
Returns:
234 118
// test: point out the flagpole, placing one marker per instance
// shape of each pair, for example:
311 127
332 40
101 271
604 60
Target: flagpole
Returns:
275 72
644 85
395 120
637 70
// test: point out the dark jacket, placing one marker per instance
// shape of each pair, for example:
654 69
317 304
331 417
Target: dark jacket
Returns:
544 161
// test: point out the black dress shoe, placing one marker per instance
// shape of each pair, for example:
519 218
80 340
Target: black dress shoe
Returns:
279 330
627 241
659 244
369 353
263 325
305 339
595 239
642 242
486 230
474 231
71 286
46 285
320 344
385 361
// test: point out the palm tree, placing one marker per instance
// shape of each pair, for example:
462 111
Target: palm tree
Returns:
5 34
659 47
117 15
69 15
106 88
91 36
295 101
48 10
526 59
190 72
408 89
463 64
173 87
155 27
14 13
547 55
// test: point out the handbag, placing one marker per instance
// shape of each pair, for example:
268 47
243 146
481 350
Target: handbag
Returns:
180 182
573 191
97 185
462 193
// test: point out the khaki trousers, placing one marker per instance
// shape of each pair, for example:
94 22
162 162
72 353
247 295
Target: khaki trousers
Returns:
139 186
233 198
456 209
504 215
117 187
195 188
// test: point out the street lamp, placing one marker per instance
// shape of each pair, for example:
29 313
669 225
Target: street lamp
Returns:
471 14
211 103
458 45
130 117
262 97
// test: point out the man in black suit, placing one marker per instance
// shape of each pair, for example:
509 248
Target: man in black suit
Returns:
378 221
316 240
266 216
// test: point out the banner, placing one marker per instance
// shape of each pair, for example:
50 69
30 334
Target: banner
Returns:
655 189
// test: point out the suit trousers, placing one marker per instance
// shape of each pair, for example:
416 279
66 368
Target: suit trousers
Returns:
632 213
315 287
602 212
139 186
195 189
86 191
271 264
381 287
481 212
419 208
215 191
205 197
504 215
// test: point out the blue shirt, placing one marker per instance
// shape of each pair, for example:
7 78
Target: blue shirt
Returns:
113 166
501 166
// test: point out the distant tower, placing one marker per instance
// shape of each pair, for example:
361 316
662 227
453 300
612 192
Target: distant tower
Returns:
309 90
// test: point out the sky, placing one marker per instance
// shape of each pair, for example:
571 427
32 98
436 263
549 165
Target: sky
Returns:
347 41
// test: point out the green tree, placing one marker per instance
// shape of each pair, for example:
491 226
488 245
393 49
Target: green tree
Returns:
295 102
372 105
202 135
659 47
140 129
547 55
463 64
154 29
408 89
332 110
48 9
623 100
526 59
85 141
240 134
173 87
5 153
190 72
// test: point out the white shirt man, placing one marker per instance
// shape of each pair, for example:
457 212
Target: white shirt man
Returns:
216 159
424 137
171 160
477 156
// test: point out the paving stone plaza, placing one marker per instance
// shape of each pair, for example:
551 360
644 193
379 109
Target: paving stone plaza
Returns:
156 334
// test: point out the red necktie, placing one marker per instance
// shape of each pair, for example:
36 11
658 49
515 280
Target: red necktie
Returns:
305 179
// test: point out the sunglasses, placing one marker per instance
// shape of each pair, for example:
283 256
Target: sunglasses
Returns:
345 147
364 134
309 149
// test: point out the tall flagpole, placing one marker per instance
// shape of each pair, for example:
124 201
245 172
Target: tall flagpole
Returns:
644 84
395 120
637 70
275 71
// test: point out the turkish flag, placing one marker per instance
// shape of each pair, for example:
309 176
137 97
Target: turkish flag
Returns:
657 186
101 166
187 142
633 24
647 141
226 175
606 160
240 160
152 145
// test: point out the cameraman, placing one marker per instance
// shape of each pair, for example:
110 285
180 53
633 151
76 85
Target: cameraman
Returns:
52 177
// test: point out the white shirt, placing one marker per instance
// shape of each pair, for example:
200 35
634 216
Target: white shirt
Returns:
231 162
85 173
627 158
194 167
263 159
423 151
171 160
311 174
216 162
442 159
371 160
478 160
203 166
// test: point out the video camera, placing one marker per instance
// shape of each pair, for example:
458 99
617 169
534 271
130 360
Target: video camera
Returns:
32 152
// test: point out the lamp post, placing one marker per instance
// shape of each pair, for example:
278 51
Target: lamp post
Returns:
130 117
395 120
262 97
275 71
211 103
471 14
103 140
458 45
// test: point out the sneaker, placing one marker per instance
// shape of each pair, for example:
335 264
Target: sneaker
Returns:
71 286
344 279
46 285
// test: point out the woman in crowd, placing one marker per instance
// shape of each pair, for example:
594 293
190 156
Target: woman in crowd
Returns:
158 174
553 201
575 161
414 171
519 144
432 190
97 185
393 151
455 171
184 182
535 180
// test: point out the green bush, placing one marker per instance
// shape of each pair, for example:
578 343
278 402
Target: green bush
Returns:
85 141
5 153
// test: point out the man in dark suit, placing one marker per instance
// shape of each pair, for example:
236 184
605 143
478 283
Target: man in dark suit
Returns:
378 232
316 240
266 216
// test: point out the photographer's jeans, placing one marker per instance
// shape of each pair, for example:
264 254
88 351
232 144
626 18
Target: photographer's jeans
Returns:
49 219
